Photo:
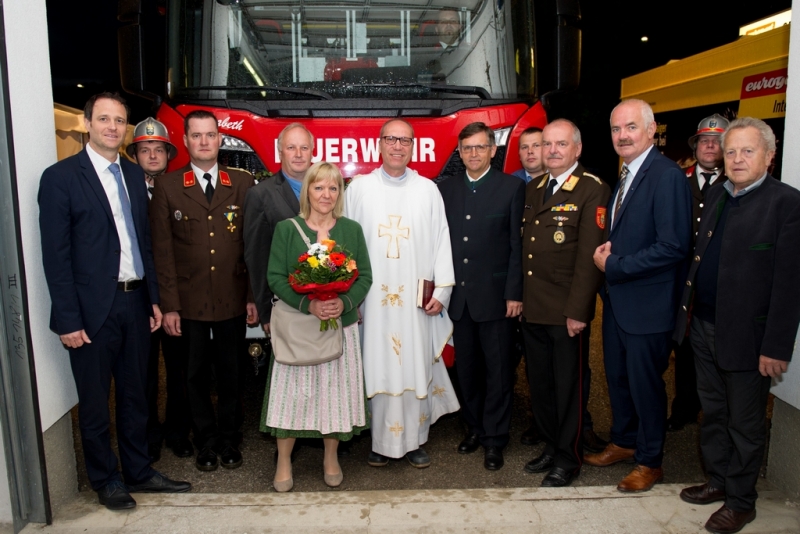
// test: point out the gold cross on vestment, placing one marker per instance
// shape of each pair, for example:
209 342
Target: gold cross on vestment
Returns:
396 429
395 232
422 419
438 391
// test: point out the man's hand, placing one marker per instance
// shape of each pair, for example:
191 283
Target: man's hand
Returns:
434 307
601 254
574 327
252 314
769 367
265 326
155 320
172 323
513 308
74 340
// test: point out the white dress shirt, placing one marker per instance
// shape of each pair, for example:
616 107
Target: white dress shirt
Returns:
109 183
198 173
560 179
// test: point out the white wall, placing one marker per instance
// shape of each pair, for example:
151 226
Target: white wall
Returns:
788 389
31 99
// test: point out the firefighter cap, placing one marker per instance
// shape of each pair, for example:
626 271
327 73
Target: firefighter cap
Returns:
714 125
151 130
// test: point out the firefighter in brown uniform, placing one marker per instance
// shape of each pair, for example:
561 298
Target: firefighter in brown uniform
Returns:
564 221
196 218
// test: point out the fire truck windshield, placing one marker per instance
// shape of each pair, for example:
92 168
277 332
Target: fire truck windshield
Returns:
344 49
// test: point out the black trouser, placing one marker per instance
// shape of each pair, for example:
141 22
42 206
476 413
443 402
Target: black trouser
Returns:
686 404
485 376
177 422
554 366
222 430
118 349
733 434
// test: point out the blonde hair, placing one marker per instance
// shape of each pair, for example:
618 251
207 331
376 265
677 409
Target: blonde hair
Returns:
319 172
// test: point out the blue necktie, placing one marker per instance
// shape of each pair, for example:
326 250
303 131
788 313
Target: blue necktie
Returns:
128 216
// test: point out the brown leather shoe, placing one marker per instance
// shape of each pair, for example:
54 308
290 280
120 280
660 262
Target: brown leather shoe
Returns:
610 455
727 521
703 494
641 479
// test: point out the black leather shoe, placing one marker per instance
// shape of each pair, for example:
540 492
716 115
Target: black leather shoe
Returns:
558 478
115 496
377 460
154 452
531 436
493 458
230 458
592 442
206 460
540 464
418 458
161 484
469 444
182 447
675 424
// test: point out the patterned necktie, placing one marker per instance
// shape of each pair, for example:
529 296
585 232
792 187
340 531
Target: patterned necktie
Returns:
623 176
209 188
138 266
551 185
707 184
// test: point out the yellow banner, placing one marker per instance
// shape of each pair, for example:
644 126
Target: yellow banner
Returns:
763 107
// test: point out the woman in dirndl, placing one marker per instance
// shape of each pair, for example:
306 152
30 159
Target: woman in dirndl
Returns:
325 400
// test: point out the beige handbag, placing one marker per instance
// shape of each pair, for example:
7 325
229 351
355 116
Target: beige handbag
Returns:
296 337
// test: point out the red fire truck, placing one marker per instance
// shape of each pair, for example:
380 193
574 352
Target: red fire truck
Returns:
343 67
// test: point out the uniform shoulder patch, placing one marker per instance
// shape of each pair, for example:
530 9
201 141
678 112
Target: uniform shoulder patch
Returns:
593 177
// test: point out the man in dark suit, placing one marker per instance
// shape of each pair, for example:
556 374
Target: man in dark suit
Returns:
563 223
644 261
746 309
270 202
707 172
152 150
98 263
484 210
196 215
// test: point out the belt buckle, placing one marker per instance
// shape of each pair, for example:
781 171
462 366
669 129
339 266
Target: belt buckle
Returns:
129 285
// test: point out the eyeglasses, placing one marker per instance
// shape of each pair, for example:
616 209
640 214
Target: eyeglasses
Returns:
480 149
390 140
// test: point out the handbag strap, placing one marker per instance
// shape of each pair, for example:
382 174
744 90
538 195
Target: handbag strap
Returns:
302 233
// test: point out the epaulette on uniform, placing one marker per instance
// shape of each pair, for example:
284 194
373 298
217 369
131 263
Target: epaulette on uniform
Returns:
595 178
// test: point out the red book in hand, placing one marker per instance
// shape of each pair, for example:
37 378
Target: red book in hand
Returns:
424 292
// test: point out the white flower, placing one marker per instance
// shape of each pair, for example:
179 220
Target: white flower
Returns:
316 249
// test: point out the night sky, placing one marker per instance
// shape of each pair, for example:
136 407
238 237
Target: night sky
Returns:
83 49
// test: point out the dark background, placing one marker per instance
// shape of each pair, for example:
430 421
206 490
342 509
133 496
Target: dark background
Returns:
83 49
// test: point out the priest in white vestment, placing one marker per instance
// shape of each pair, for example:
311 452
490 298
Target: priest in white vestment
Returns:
404 222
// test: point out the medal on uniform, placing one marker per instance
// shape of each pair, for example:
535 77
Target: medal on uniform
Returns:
178 215
559 236
230 215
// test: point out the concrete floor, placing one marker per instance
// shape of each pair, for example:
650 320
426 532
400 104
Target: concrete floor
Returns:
448 471
518 510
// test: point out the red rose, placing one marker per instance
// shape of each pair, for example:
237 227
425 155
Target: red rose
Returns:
337 258
303 257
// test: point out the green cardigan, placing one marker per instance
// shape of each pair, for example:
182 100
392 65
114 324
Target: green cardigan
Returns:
287 246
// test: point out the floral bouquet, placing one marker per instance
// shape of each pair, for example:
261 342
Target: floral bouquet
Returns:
324 272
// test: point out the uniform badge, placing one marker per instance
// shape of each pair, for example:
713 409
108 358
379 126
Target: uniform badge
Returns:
230 216
224 178
178 215
188 179
564 207
560 218
600 217
559 237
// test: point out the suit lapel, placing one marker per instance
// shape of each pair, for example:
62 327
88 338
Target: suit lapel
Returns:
195 190
641 174
90 175
222 193
287 193
134 183
695 187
